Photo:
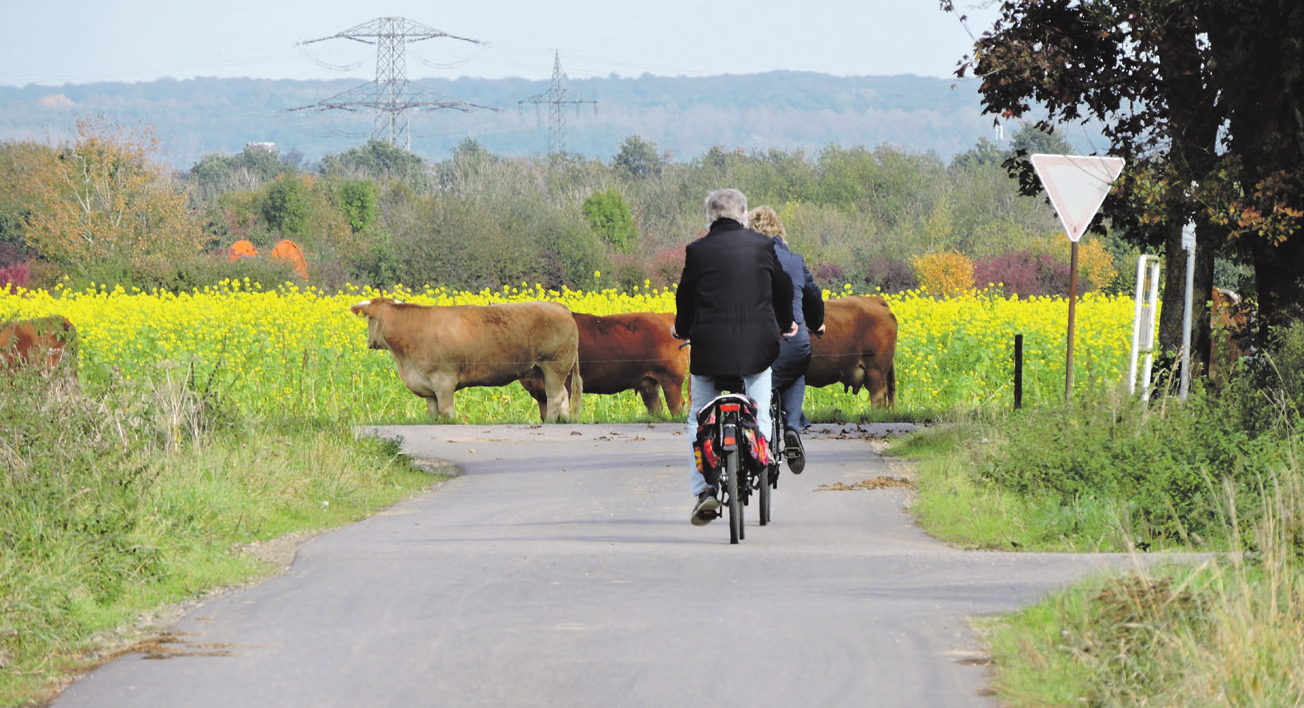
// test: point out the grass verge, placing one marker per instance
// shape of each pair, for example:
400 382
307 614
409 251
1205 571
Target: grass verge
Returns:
1227 631
115 504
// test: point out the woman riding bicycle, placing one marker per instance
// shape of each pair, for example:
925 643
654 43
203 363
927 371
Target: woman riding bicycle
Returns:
789 370
734 302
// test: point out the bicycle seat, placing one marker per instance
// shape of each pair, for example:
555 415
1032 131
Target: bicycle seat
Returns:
746 405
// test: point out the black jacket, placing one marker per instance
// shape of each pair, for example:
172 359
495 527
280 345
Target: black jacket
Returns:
733 301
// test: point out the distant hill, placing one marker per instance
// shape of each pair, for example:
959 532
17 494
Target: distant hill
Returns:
683 116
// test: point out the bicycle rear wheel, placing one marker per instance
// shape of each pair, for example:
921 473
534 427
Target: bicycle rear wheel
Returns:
734 502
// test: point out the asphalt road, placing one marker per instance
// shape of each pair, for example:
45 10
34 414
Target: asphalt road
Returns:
561 570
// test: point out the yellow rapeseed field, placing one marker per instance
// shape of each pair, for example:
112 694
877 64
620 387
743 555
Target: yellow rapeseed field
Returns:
269 351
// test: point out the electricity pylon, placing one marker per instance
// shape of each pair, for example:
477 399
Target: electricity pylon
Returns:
556 97
390 95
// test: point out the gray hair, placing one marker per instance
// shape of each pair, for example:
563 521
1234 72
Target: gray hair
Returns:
726 204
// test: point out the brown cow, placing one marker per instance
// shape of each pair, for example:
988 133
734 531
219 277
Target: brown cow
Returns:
441 349
628 351
42 344
858 348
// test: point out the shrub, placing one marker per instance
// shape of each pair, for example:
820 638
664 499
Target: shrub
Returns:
629 272
667 266
609 217
15 276
12 254
1165 465
359 202
889 276
829 274
1023 273
946 273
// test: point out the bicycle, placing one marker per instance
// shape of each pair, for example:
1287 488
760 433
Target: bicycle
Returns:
719 450
726 426
770 479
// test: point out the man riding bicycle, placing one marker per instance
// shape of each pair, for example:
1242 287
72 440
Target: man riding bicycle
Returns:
734 302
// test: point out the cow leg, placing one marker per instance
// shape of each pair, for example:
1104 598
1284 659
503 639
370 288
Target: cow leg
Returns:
440 404
440 411
575 391
877 387
555 386
674 391
650 391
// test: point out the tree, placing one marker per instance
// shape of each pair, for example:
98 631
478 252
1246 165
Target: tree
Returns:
104 198
17 161
1259 68
638 157
1032 138
1141 68
359 202
252 167
287 206
380 161
984 153
610 218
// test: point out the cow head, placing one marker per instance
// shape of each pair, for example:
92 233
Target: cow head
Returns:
374 310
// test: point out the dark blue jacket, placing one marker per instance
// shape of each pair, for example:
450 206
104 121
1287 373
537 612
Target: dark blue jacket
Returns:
807 309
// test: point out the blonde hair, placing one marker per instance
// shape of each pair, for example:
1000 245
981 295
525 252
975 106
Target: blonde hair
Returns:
764 220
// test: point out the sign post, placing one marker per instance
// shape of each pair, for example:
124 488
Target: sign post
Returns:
1077 186
1188 245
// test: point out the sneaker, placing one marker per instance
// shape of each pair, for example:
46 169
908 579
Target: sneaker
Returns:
793 450
706 509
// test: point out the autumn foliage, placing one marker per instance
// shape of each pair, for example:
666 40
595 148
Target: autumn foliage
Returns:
104 197
946 273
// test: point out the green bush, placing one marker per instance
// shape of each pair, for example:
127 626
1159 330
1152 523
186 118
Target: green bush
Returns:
1168 466
359 201
609 217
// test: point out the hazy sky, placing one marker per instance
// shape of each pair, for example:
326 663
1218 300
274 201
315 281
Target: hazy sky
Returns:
53 42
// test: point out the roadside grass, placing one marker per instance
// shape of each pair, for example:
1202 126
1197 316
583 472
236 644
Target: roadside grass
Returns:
1219 474
118 502
1227 632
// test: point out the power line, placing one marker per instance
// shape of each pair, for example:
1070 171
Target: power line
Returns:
390 95
556 97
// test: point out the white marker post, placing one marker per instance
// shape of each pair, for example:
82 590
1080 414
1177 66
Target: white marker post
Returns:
1143 323
1076 185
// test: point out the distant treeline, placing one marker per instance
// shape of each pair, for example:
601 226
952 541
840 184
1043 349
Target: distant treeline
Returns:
380 215
684 116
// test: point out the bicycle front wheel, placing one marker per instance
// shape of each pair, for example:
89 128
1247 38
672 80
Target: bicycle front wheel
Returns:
766 472
734 502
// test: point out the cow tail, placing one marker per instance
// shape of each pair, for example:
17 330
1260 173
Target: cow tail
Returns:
891 385
576 391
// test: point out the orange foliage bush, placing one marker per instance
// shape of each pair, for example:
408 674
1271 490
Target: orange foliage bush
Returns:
946 273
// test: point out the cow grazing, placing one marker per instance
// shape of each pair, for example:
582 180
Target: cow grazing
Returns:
42 344
628 351
440 349
858 348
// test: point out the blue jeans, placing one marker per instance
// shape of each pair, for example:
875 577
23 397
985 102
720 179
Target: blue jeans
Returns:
704 389
791 399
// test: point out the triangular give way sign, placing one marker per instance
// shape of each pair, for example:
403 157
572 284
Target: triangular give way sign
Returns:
1076 185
